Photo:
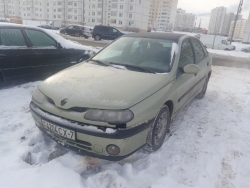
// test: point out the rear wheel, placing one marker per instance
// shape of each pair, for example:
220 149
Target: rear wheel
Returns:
63 32
77 34
159 130
204 90
97 37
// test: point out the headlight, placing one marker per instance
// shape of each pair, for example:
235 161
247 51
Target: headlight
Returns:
38 96
109 116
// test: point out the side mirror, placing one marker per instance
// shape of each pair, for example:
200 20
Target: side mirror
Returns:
59 46
91 54
191 69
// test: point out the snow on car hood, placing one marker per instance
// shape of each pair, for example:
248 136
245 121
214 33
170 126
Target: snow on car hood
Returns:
68 44
93 86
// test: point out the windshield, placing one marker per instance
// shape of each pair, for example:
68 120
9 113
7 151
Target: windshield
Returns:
224 42
151 54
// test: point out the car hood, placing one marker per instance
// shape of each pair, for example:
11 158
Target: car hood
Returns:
94 86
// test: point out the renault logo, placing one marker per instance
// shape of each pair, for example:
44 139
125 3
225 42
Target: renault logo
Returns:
64 101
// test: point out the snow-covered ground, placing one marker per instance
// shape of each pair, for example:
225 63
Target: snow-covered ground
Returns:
209 146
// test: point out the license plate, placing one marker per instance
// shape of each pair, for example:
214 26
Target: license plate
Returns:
67 133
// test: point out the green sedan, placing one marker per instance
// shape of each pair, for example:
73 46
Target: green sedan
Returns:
123 98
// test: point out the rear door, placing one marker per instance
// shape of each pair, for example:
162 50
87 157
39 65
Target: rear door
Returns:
48 58
14 54
185 83
70 30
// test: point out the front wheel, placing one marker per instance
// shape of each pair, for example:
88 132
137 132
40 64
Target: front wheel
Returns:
159 130
77 34
97 37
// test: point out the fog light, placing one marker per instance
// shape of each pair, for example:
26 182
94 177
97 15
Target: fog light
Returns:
113 149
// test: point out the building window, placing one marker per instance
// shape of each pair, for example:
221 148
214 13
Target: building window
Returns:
120 22
75 17
114 5
99 13
130 15
113 13
113 21
59 16
93 13
120 14
99 5
121 6
70 3
75 4
93 6
75 11
131 7
93 20
59 3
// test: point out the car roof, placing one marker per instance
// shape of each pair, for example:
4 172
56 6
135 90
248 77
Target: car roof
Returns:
18 25
155 35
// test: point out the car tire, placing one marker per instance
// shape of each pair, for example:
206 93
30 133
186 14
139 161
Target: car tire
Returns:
97 37
244 50
77 34
158 130
63 32
204 90
227 49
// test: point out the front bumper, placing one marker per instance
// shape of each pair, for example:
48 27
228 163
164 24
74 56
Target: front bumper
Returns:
91 142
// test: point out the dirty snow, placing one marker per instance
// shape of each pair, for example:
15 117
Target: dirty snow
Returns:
209 146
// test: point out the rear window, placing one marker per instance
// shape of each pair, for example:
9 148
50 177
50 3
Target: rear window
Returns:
11 37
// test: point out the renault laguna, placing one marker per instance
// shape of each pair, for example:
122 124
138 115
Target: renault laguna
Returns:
124 97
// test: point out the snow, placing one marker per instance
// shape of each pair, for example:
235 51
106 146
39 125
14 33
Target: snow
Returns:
209 146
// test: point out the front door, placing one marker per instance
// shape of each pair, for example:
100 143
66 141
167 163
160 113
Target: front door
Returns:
185 82
14 54
48 57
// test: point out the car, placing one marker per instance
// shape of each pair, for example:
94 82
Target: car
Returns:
105 32
75 30
48 27
245 49
28 52
124 97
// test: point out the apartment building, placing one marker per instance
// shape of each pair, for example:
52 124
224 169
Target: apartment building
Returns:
45 10
246 36
227 23
163 13
118 13
184 21
239 29
216 20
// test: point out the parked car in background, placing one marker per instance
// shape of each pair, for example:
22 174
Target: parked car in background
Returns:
75 30
27 52
245 49
48 27
216 42
105 32
124 97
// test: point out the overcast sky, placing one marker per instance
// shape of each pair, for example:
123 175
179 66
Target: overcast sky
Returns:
202 8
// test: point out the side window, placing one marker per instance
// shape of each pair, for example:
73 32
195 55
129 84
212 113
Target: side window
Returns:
186 56
70 27
113 30
12 37
198 50
105 29
75 27
39 39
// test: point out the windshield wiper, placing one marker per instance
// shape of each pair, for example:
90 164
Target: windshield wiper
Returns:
132 67
99 62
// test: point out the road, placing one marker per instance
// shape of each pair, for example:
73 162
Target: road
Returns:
218 60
